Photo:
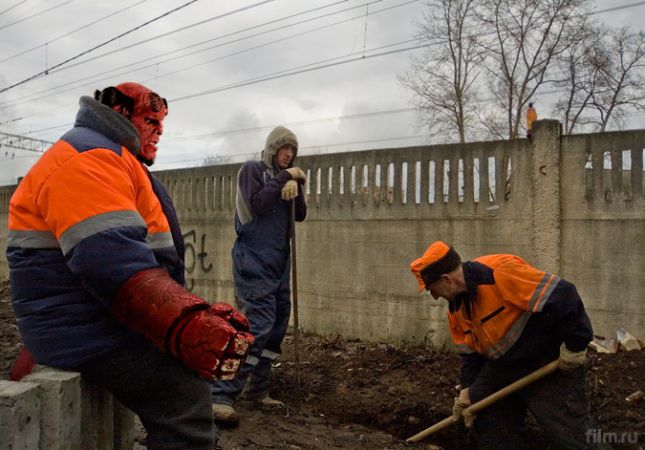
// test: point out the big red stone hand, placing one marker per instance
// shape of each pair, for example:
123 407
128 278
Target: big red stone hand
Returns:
211 339
230 314
210 345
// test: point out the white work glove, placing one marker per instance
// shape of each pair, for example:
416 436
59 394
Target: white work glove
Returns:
297 174
458 409
289 190
569 360
461 403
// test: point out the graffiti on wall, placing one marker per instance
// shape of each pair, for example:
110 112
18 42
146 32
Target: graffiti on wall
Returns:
196 256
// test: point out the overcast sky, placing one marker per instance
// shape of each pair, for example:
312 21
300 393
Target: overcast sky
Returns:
197 70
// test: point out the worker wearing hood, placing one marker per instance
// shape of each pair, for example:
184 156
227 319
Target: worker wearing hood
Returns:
261 265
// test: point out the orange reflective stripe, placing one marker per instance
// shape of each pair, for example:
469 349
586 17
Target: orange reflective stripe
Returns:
464 349
543 291
510 337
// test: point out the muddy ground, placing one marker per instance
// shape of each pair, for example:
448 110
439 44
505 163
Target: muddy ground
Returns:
358 395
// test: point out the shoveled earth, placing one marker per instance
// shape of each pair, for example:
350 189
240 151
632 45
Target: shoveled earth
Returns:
358 395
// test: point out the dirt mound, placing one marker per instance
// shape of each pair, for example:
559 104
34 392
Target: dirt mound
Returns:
403 390
358 395
10 341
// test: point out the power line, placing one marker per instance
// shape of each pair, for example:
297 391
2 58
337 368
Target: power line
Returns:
251 6
243 156
264 127
282 71
129 66
191 26
55 127
616 8
230 132
143 67
33 6
219 37
73 31
316 29
274 76
263 78
288 74
290 37
293 71
291 124
34 15
12 7
303 69
46 72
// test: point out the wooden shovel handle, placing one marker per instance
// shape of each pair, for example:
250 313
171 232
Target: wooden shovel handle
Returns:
486 402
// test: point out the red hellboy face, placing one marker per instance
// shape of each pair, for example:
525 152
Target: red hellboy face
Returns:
149 112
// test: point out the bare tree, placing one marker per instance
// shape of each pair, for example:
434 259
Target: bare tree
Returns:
619 59
525 37
443 78
577 78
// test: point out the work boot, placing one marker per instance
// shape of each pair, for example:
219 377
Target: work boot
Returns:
269 402
225 415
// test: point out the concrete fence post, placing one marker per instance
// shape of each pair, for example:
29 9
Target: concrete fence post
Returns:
123 424
97 421
56 410
60 407
19 416
546 217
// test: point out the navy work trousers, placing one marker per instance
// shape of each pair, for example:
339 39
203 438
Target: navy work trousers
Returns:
268 320
172 402
558 403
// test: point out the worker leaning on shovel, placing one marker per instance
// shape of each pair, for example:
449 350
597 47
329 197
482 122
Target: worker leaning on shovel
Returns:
508 319
266 192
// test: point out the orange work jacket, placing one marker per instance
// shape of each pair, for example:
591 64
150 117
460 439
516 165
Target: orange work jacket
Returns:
499 312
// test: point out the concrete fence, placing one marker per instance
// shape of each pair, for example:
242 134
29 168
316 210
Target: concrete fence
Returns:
568 204
55 410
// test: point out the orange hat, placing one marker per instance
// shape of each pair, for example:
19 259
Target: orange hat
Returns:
437 260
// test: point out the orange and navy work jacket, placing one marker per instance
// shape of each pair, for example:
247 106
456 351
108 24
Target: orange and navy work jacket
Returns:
85 218
514 312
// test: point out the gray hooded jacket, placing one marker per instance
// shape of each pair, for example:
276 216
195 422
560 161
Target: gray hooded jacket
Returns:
259 182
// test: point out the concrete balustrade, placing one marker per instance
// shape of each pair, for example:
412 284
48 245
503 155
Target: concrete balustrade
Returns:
52 409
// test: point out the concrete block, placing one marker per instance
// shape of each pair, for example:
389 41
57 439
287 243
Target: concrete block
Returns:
123 427
60 402
19 415
97 421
